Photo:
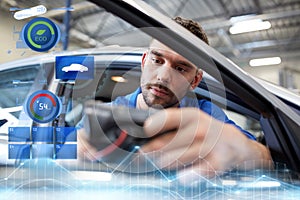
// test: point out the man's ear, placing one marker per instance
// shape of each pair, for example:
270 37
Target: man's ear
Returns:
143 60
197 79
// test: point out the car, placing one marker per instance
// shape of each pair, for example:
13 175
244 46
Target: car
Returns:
75 67
51 169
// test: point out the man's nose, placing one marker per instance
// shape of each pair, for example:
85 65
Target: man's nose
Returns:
165 73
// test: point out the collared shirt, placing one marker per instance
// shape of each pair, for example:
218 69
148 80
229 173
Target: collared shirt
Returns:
208 107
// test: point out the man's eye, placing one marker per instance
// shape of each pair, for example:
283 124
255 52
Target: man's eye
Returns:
156 61
180 69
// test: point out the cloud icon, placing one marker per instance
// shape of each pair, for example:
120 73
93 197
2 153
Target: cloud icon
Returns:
75 67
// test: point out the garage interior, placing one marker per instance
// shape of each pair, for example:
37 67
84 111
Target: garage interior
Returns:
280 39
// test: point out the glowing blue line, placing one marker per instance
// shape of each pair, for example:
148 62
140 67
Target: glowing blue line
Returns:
14 171
15 8
156 167
127 157
65 8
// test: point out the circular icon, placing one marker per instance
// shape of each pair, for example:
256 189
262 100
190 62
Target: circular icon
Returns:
40 34
43 106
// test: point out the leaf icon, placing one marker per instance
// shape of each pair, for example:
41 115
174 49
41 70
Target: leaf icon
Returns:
40 32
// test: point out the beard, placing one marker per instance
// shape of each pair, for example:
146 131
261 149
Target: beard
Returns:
159 102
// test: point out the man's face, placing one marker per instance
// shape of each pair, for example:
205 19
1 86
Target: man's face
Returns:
166 76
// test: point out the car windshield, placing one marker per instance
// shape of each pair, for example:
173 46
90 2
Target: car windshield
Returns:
65 64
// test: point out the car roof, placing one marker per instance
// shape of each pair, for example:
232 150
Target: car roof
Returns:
279 91
50 57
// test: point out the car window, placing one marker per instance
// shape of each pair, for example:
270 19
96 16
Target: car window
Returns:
15 84
247 123
110 81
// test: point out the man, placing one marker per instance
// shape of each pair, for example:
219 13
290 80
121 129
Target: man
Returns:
200 138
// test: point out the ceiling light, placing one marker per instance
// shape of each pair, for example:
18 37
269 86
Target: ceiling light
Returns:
119 79
265 61
249 26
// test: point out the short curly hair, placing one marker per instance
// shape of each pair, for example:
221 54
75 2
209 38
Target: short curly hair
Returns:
193 27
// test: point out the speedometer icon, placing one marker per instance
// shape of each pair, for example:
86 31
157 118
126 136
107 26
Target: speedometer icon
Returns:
43 106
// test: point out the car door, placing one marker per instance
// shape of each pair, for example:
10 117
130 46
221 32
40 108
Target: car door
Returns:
280 123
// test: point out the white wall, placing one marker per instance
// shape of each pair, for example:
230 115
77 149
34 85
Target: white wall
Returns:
9 37
269 73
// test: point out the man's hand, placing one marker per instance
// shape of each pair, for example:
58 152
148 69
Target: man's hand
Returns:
197 143
85 151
